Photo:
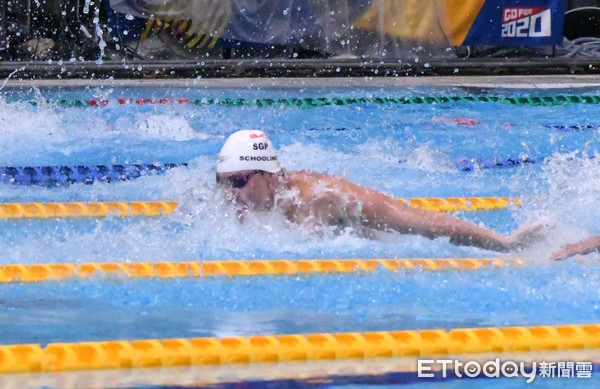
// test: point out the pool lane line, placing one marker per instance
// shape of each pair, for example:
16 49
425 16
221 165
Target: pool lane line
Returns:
65 175
426 343
574 127
454 204
160 208
469 164
235 268
86 209
311 102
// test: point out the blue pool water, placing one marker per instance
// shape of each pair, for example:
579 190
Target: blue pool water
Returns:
403 150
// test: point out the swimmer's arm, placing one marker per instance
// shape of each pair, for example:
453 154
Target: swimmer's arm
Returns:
582 247
384 212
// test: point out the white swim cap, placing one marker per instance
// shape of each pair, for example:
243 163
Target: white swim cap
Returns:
248 150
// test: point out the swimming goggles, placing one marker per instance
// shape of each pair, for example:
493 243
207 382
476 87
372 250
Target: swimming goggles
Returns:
238 180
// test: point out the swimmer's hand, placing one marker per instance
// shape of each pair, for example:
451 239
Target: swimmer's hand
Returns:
566 251
527 236
582 247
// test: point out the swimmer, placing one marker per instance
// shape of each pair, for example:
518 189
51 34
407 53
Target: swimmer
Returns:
249 171
581 247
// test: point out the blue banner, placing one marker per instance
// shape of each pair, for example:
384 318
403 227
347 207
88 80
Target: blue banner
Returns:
518 23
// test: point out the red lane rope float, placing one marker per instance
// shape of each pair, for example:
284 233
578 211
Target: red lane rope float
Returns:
61 271
154 353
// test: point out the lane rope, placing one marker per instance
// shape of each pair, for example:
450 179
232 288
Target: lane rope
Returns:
66 175
455 204
310 102
574 127
470 164
84 209
156 353
158 208
234 268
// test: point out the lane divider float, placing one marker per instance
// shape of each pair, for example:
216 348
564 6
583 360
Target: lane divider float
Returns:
66 175
454 204
470 164
157 353
84 209
309 102
159 208
235 268
574 127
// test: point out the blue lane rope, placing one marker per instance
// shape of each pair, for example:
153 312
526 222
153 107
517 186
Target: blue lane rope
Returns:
309 102
87 174
54 176
575 127
57 176
470 164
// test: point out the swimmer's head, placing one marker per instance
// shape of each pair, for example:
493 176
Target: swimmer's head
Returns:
248 150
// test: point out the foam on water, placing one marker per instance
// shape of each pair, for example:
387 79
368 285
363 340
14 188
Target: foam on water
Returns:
369 155
26 134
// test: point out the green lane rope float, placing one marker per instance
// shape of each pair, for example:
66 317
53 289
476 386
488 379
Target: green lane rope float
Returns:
156 353
234 268
309 102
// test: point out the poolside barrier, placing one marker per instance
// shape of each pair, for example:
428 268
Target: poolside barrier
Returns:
310 102
186 269
84 209
154 353
87 174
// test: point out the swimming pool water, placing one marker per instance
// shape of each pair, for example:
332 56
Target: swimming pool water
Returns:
403 150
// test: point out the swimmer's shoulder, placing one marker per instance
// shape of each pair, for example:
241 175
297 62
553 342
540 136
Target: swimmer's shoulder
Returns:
310 178
309 181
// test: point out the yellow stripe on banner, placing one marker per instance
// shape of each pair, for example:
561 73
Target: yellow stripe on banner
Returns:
194 40
154 353
81 209
454 204
219 32
207 26
218 24
59 271
148 28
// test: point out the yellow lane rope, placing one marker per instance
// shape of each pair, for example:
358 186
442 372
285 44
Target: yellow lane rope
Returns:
154 353
60 271
158 208
453 204
83 209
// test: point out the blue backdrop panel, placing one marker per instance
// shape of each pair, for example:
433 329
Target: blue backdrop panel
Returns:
518 23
